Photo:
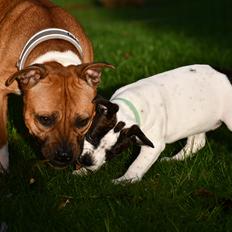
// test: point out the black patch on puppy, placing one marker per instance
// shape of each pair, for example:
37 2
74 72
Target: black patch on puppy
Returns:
104 120
192 70
119 126
128 136
122 144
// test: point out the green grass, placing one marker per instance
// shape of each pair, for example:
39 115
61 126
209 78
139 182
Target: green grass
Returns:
193 195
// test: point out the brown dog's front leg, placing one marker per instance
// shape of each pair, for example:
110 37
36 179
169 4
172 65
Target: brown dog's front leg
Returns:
4 155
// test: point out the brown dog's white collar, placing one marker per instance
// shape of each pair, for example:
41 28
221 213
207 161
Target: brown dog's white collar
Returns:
44 35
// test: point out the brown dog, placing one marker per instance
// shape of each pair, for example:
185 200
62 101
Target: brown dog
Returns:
55 75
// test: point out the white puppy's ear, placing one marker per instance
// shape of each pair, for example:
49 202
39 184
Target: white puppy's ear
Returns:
134 132
128 136
104 106
139 135
91 72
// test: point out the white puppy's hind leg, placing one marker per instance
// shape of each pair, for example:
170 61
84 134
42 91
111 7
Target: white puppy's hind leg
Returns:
143 162
4 158
193 145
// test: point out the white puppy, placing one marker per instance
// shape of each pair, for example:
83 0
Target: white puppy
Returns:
182 103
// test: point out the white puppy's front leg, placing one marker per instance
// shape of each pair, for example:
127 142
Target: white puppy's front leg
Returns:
80 172
143 162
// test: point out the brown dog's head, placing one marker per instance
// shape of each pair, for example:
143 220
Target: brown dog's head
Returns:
58 106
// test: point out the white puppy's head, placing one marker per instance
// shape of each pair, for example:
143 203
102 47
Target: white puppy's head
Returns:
108 137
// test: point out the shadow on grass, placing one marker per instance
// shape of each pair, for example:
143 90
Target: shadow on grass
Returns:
196 18
222 137
19 134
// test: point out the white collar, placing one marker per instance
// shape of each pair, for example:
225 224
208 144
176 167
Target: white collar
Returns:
44 35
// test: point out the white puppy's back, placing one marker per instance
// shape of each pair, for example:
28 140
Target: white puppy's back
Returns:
193 98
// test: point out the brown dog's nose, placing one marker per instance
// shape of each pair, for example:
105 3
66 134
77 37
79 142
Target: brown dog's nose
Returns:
63 155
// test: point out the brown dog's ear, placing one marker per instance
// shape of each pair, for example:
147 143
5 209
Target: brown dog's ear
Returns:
28 77
91 72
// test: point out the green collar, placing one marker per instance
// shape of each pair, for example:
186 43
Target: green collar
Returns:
132 108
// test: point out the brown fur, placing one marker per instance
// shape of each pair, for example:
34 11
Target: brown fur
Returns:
62 91
72 96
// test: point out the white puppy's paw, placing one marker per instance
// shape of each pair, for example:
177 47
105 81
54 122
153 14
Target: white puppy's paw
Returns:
166 159
80 172
126 180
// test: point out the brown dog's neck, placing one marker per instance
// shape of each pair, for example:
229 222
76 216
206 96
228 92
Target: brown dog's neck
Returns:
50 46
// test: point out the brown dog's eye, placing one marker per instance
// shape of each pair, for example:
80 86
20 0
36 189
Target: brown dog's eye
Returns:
81 122
46 121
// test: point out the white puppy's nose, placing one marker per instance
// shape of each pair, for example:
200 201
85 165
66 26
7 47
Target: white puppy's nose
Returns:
86 159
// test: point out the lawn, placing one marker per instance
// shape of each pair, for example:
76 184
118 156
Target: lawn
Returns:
193 195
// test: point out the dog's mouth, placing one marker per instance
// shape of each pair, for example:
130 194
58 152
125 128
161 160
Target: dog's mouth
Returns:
58 165
57 157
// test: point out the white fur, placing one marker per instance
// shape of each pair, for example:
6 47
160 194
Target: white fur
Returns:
182 103
107 141
65 58
4 158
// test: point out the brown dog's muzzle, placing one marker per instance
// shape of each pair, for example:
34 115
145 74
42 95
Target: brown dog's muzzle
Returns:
62 154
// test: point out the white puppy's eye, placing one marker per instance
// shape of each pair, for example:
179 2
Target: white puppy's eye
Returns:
93 141
90 139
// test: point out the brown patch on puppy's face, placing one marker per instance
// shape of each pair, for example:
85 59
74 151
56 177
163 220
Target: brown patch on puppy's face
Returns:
58 107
